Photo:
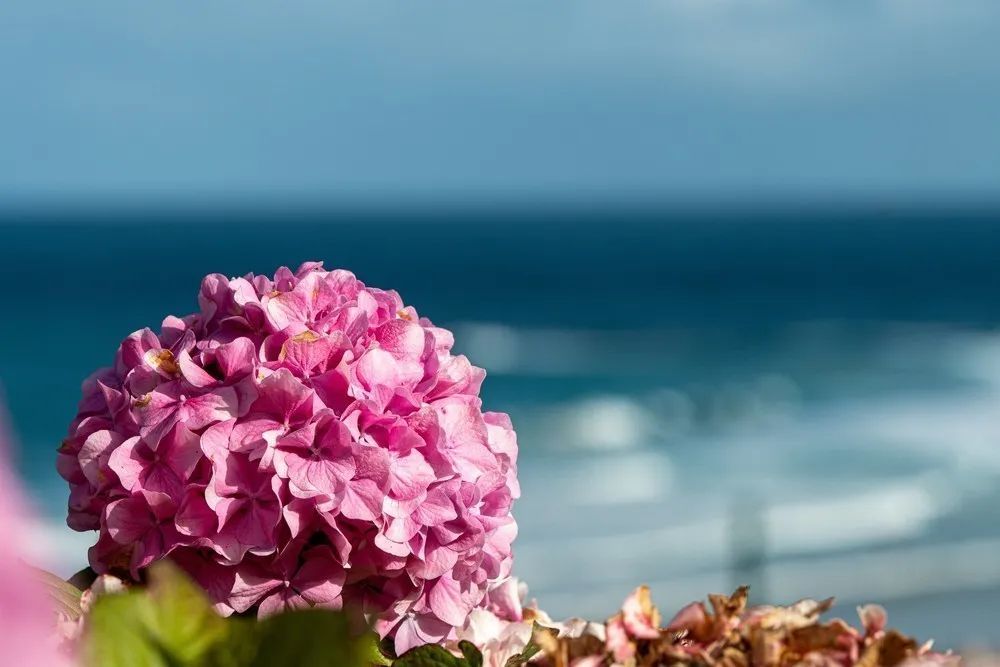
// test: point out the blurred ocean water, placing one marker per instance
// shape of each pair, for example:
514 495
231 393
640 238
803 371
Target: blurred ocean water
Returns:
807 398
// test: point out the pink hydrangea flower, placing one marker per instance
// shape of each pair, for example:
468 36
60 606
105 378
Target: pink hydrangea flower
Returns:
32 627
301 440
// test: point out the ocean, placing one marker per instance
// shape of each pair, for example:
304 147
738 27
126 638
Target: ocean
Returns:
805 398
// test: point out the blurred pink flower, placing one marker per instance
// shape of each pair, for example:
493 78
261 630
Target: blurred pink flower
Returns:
302 439
30 627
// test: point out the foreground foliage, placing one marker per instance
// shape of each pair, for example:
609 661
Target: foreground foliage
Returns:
170 622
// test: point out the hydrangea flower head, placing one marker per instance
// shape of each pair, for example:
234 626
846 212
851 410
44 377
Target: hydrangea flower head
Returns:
301 440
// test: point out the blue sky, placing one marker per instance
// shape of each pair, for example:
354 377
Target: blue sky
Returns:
323 99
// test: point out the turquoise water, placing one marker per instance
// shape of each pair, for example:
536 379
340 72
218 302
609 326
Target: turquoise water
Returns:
831 375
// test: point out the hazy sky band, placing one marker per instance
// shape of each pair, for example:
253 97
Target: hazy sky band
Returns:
703 97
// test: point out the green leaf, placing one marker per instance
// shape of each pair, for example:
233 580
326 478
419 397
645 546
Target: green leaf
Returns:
182 618
64 595
373 652
117 635
310 638
238 648
472 654
168 624
430 655
387 647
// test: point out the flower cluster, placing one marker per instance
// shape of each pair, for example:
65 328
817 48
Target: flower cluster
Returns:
302 440
727 635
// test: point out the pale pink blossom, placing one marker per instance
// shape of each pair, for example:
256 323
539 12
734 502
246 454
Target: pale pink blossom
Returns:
497 639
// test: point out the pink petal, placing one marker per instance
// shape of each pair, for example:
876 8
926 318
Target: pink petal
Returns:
250 584
251 436
236 358
285 309
320 465
466 436
340 545
402 530
252 523
181 451
129 519
505 599
282 395
213 294
333 388
127 464
461 420
377 367
282 600
194 374
133 349
394 507
159 478
500 434
404 340
215 440
157 412
299 516
472 460
446 601
371 463
293 445
200 411
234 474
409 475
436 509
391 547
438 560
456 376
320 579
194 517
319 477
309 351
362 500
419 629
